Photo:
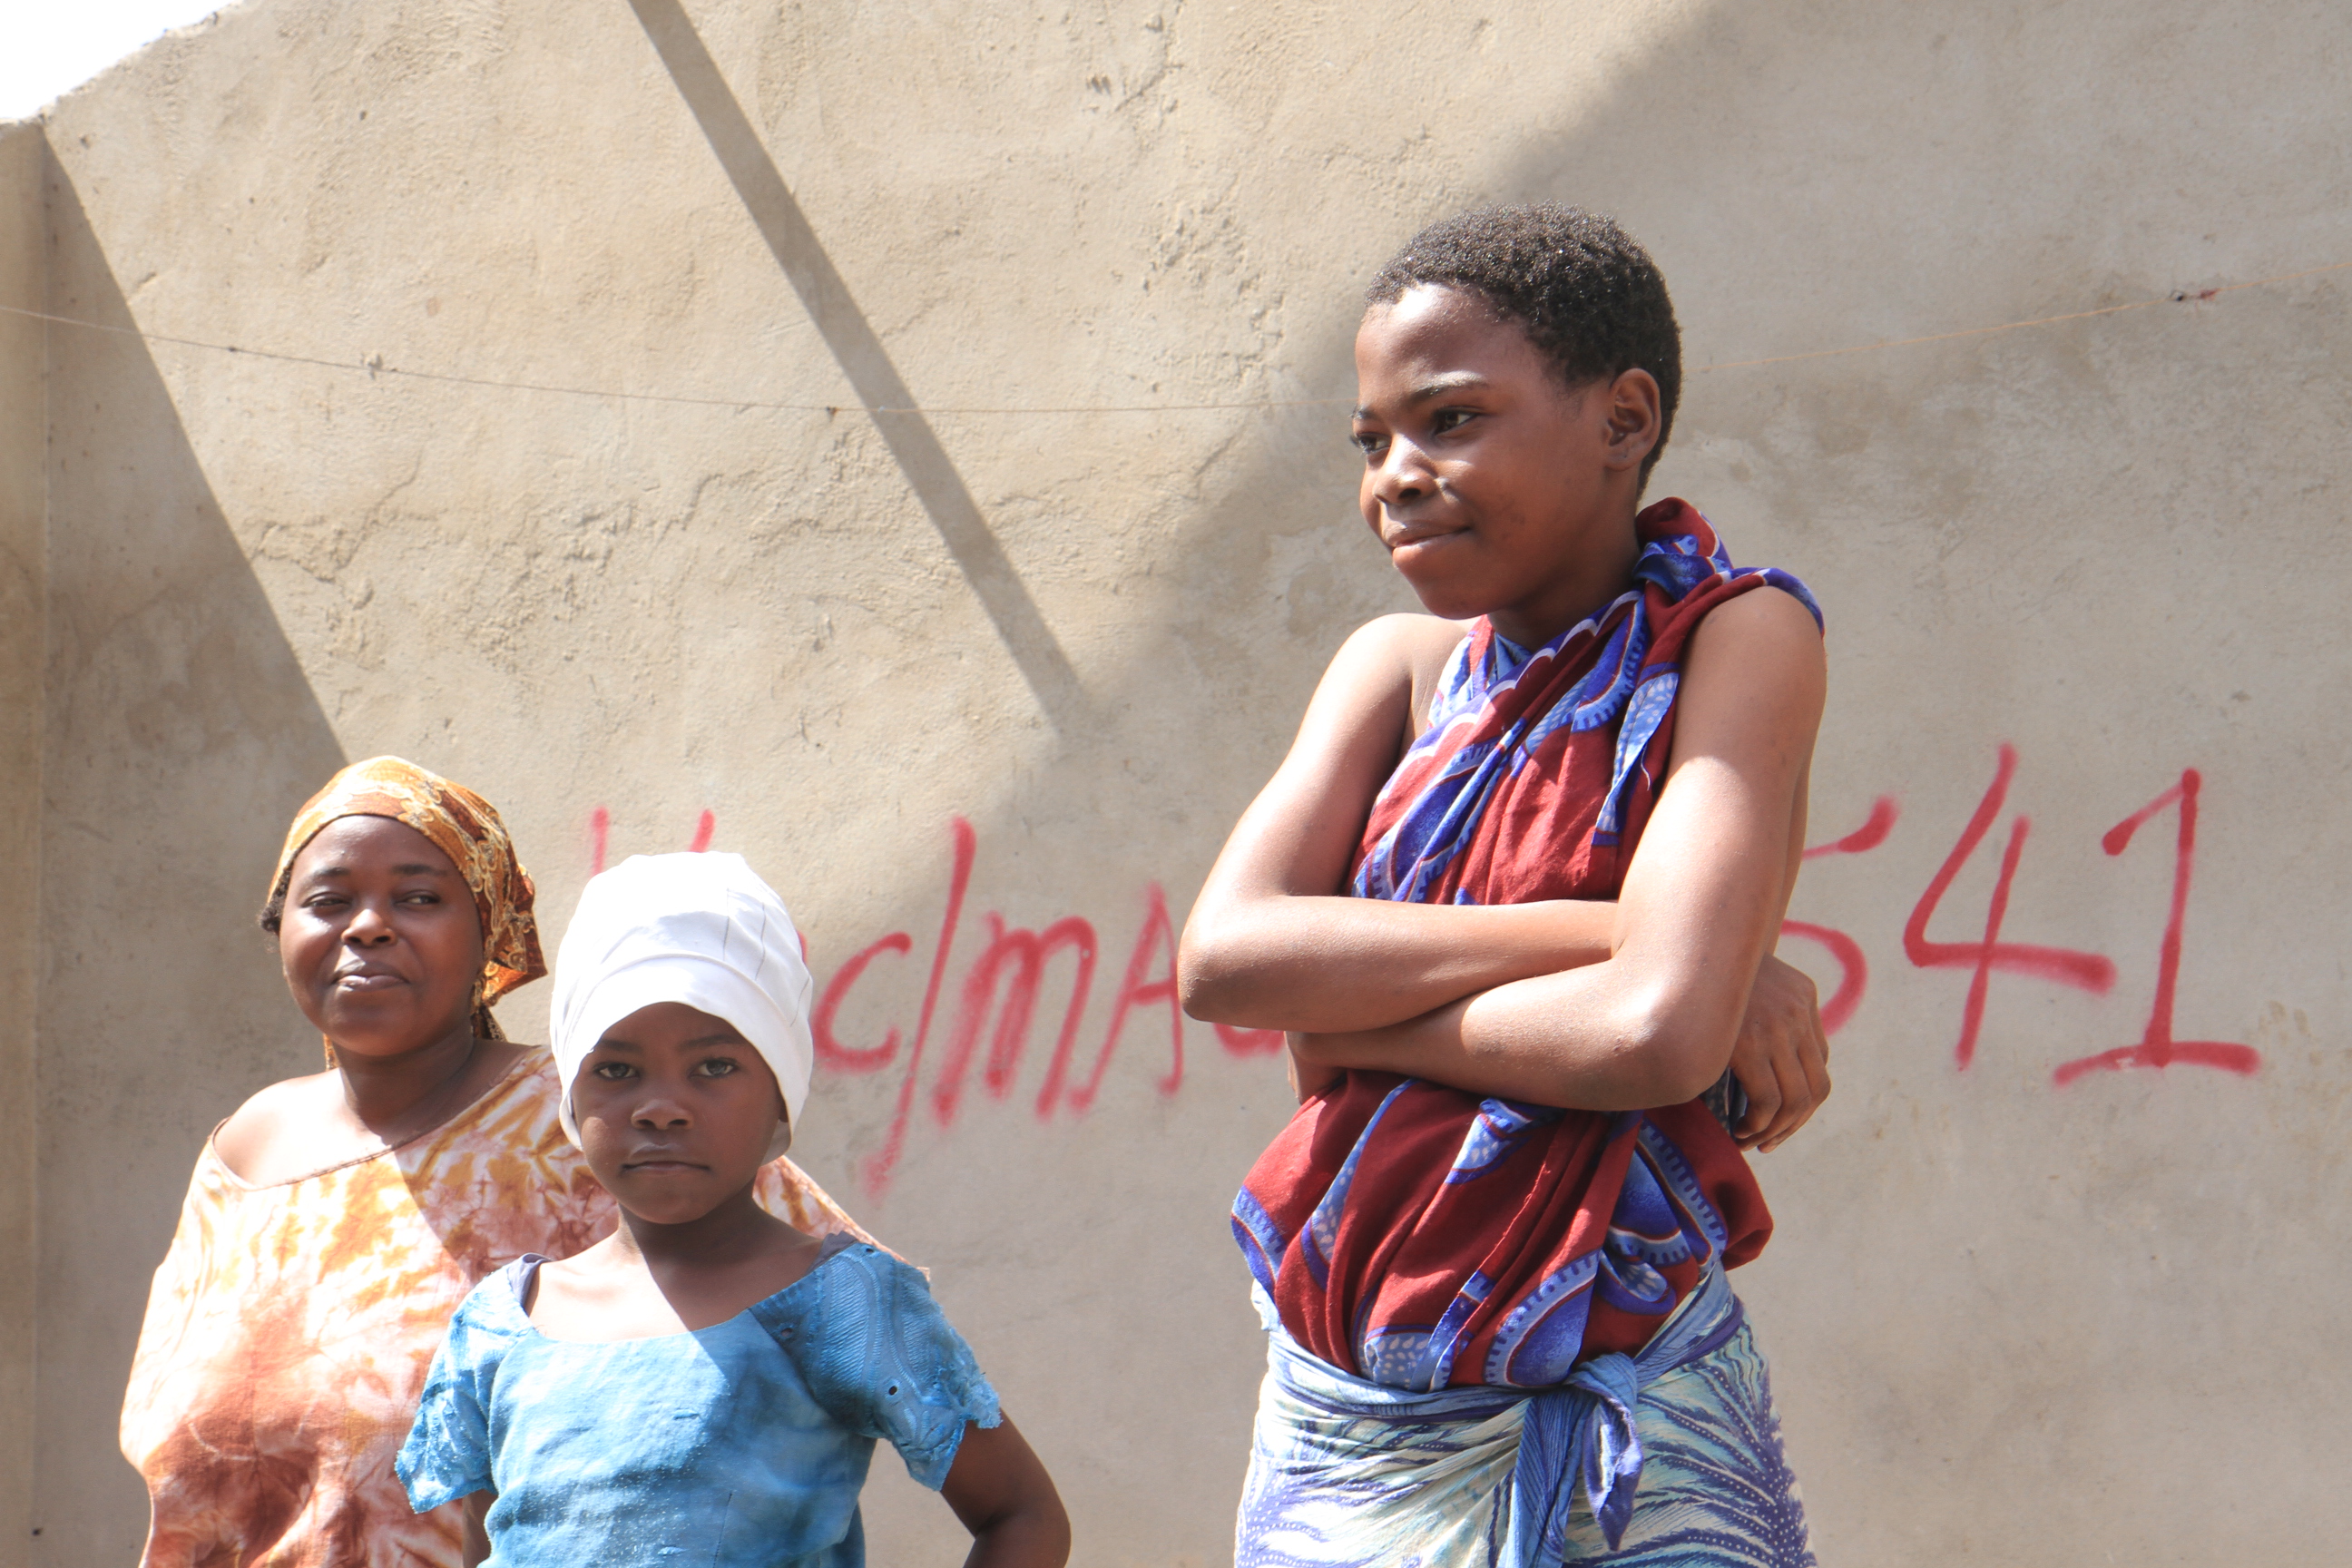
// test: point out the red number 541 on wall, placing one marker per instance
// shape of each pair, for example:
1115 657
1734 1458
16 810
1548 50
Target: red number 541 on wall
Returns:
2091 972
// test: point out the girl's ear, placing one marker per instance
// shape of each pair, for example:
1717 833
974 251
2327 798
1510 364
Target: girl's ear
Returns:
1633 418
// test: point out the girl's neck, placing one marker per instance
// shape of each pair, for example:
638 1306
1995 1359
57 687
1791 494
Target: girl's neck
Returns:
647 1279
737 1232
1604 559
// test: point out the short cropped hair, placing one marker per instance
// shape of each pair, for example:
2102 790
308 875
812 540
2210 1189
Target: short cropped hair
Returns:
1588 297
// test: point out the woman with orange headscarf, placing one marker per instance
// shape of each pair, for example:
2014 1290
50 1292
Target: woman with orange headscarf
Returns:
335 1221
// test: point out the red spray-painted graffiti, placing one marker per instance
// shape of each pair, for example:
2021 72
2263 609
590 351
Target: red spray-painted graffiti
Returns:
1007 977
998 997
2060 965
1854 974
600 833
2065 966
2156 1047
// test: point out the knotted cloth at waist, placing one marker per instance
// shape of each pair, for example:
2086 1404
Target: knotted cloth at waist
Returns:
1346 1471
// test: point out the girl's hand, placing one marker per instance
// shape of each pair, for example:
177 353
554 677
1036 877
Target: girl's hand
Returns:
1781 1057
1003 1496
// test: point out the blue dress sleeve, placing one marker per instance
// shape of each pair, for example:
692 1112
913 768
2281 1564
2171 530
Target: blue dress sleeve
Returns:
447 1453
877 1353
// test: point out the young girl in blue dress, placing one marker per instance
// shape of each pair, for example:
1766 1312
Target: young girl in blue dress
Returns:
707 1384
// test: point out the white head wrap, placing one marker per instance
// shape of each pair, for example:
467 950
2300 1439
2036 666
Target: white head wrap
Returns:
701 928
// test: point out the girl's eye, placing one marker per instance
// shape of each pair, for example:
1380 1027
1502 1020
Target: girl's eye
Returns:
1370 443
1451 419
614 1072
717 1066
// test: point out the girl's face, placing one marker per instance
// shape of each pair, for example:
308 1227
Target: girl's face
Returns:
379 938
1496 490
675 1110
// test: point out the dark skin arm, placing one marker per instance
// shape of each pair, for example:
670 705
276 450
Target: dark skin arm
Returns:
997 1486
476 1548
1656 1021
1271 944
1001 1491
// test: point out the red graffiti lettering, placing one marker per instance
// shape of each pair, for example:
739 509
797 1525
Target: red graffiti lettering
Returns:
1869 835
600 831
1854 974
998 994
2064 966
1027 952
829 1049
1249 1042
1137 991
876 1169
2156 1047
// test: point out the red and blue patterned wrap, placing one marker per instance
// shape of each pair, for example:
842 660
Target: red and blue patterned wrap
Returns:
1418 1235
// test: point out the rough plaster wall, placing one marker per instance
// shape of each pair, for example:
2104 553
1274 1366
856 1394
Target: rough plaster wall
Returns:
179 725
23 425
2006 1318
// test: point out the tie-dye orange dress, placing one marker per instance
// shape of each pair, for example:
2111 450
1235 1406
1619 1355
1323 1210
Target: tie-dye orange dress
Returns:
290 1327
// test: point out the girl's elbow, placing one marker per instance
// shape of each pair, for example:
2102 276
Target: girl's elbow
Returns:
1202 982
1688 1079
1212 974
1053 1537
1680 1050
1034 1533
1195 966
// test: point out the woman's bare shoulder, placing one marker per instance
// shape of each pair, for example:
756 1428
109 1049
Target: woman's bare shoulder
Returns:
299 1126
260 1134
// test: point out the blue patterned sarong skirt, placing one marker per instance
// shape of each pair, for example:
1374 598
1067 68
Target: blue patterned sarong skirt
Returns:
1680 1441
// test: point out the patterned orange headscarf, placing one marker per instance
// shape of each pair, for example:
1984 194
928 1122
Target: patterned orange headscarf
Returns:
462 825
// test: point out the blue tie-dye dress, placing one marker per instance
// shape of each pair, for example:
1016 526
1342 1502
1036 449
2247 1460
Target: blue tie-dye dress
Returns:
740 1446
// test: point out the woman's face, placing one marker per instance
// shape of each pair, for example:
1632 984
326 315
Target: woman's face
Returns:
379 938
676 1109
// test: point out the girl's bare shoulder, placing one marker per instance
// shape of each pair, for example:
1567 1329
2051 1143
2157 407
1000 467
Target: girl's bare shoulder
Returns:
1403 653
1770 613
1407 640
1755 666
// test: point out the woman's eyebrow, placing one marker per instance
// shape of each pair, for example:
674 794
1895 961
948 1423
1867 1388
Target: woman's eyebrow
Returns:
414 868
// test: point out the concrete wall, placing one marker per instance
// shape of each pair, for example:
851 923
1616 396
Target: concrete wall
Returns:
24 426
2011 1320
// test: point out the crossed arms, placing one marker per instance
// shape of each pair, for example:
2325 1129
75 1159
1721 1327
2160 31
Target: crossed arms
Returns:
1591 1005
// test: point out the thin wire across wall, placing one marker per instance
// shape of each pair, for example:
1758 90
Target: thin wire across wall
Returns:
373 366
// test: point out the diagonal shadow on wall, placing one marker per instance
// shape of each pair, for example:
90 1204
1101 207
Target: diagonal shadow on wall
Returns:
182 735
872 376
